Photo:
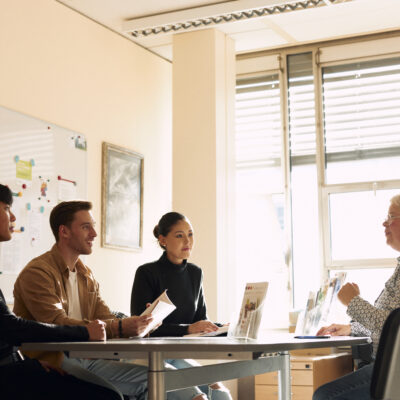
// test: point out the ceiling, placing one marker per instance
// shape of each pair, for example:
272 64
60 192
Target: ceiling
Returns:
253 24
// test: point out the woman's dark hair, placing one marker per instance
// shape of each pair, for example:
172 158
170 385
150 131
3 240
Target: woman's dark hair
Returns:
166 223
6 195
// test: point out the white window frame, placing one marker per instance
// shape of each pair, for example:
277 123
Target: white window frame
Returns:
367 263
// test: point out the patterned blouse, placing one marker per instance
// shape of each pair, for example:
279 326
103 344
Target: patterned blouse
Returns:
368 319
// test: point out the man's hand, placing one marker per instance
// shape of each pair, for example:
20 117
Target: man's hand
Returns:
135 325
202 326
335 330
348 292
96 330
48 367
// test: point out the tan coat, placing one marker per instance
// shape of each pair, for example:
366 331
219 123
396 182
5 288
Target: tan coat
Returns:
40 294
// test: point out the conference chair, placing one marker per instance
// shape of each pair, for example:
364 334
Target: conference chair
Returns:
385 383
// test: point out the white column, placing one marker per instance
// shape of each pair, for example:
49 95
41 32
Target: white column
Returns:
203 150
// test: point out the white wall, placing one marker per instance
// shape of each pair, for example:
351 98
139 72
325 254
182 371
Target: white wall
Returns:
59 66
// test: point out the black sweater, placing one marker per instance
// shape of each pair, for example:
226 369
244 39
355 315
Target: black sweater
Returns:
185 289
15 330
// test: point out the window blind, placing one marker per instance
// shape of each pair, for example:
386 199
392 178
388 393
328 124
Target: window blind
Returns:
258 122
361 105
301 109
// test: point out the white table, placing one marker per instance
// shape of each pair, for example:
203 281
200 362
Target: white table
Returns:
249 357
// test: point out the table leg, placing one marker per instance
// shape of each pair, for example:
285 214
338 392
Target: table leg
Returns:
284 378
156 376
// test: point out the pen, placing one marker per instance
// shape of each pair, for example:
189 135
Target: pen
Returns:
313 337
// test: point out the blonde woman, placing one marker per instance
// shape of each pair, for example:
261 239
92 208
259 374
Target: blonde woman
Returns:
367 319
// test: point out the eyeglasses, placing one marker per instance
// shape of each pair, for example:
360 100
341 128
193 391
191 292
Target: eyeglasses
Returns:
389 219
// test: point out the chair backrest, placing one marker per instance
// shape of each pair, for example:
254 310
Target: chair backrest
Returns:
385 383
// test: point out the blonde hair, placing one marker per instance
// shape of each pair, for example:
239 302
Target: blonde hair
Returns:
395 200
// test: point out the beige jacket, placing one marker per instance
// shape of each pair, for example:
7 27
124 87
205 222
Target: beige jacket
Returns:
40 294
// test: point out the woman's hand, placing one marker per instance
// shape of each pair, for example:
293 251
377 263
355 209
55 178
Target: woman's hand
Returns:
135 325
348 292
335 330
202 326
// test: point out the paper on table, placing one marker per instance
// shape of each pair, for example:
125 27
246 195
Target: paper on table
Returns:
160 308
219 332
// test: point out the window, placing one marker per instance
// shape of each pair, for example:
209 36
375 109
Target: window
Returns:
260 190
337 159
361 115
303 176
361 103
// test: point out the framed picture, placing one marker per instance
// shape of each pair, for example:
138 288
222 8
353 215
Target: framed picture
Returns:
122 198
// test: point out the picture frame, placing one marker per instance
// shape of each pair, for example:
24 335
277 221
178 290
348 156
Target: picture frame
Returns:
122 198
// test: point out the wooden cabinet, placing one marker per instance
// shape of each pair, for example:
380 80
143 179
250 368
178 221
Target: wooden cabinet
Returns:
307 374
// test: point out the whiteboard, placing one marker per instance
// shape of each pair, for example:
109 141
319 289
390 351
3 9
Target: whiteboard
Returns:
42 164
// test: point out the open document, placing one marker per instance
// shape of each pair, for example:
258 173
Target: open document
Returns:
160 308
248 323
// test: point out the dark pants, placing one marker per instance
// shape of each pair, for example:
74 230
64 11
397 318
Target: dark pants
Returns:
353 386
28 380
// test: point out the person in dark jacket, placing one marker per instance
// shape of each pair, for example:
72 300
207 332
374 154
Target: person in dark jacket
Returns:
21 378
184 284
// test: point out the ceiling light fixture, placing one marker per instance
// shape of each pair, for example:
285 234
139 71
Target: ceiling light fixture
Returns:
229 17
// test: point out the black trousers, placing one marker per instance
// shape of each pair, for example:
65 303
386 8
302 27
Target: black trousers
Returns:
29 380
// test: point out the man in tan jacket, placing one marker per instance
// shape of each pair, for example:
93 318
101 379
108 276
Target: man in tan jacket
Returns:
58 288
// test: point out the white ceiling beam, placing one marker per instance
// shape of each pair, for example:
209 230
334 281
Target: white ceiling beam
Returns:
196 13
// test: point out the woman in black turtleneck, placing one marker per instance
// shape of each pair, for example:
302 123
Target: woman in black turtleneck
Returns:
182 280
184 284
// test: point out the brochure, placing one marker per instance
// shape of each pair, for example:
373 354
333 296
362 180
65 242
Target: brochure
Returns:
319 306
305 322
250 314
160 308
